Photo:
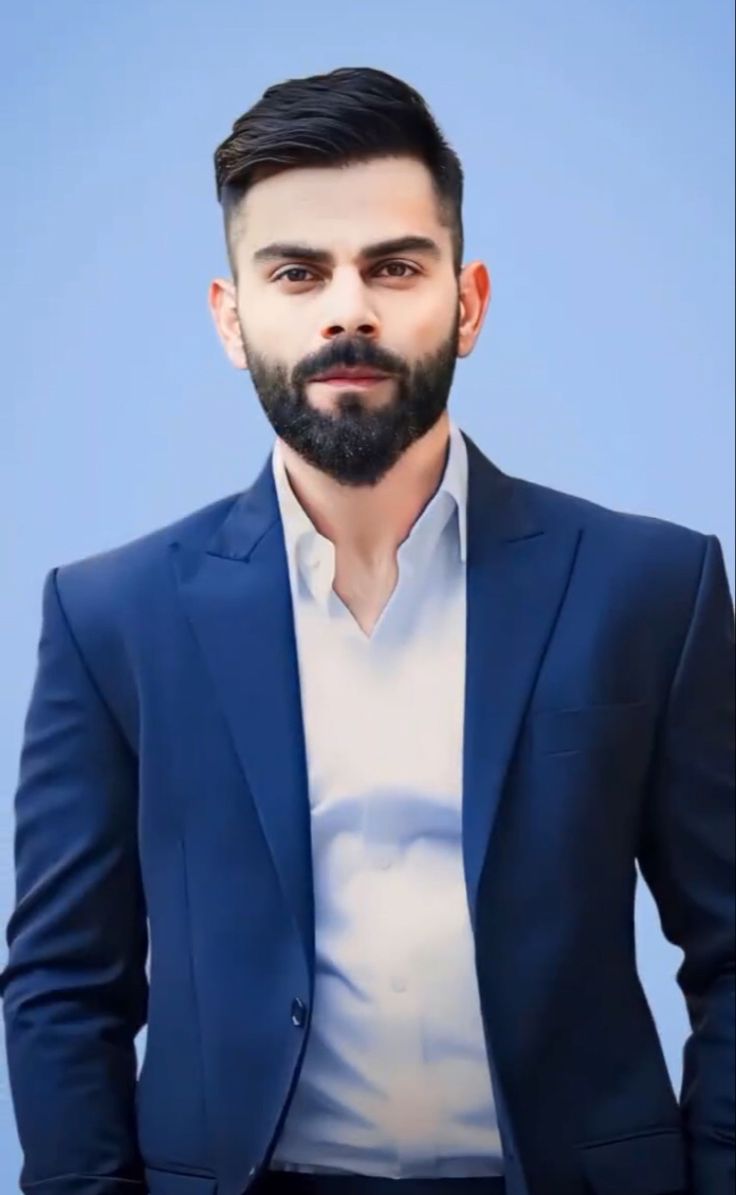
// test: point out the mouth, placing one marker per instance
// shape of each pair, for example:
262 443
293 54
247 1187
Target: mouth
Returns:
352 377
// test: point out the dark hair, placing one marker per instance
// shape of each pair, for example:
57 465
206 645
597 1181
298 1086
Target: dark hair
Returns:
349 115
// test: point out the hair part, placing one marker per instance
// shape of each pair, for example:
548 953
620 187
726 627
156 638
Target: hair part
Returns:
350 115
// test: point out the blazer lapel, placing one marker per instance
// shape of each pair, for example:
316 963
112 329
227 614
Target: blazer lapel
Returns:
518 566
236 593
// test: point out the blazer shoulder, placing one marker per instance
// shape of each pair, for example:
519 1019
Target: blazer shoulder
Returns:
116 600
116 597
622 526
657 562
125 568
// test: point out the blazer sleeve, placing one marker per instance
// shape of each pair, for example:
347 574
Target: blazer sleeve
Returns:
74 988
686 856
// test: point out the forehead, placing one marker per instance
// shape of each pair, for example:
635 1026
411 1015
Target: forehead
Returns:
346 205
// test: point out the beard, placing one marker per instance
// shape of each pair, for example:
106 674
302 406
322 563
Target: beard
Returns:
356 442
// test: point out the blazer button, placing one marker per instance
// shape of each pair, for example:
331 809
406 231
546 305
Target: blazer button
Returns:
298 1012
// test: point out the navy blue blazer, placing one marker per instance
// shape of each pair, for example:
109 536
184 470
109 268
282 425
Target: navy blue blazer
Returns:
162 797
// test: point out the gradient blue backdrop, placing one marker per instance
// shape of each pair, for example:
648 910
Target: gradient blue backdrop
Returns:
597 140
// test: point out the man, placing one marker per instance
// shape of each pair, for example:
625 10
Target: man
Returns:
368 753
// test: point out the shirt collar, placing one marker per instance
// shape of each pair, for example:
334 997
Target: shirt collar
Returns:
314 555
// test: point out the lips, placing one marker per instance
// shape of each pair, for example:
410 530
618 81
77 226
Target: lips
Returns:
355 374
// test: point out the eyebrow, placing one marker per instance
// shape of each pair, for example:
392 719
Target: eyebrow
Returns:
279 250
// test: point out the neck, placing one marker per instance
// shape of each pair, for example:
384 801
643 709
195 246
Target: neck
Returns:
367 523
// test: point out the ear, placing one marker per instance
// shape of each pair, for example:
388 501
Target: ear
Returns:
475 295
223 304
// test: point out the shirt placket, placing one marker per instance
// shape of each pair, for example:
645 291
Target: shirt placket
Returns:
410 1111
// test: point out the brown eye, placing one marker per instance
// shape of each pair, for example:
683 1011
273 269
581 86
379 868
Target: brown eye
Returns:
292 270
403 265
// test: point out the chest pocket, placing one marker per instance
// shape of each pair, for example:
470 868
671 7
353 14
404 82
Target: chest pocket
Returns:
612 727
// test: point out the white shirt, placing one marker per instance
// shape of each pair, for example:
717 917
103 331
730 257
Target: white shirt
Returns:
395 1078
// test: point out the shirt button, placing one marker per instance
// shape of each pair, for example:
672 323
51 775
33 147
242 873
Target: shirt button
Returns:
384 860
298 1012
398 983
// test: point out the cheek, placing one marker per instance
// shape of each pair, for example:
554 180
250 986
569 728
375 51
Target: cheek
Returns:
429 323
268 334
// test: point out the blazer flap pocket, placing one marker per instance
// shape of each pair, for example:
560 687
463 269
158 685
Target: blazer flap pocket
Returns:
649 1164
173 1182
587 727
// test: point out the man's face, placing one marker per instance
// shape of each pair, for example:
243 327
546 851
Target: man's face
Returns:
315 293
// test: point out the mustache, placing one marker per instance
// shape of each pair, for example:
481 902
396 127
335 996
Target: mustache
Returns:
350 353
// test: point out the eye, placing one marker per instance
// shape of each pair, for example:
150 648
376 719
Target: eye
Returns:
404 265
291 273
292 270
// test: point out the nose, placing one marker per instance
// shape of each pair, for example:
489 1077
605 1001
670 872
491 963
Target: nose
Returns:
348 309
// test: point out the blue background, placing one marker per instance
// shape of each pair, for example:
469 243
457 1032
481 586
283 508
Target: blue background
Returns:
597 140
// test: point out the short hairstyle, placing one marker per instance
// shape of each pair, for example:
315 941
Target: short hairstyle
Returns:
352 114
